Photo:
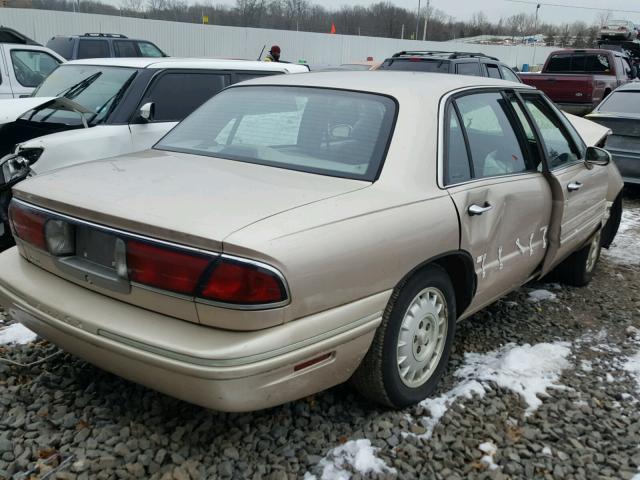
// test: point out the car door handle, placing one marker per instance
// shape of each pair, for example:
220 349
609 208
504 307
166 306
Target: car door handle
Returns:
573 186
479 209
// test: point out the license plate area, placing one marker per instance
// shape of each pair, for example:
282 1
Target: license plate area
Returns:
100 260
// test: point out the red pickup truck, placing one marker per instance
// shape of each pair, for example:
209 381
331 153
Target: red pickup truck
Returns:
578 80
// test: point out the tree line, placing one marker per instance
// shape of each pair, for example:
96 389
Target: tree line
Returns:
382 19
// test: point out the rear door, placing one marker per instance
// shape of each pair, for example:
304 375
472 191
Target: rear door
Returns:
579 191
502 198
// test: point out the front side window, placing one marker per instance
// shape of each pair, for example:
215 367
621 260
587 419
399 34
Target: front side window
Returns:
32 67
195 88
509 74
148 49
560 149
493 143
93 49
470 68
316 130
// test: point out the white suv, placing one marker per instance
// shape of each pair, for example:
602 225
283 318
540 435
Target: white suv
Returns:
99 108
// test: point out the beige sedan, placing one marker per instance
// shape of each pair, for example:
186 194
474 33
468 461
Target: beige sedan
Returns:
297 232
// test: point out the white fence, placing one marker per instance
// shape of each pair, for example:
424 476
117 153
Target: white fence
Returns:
192 40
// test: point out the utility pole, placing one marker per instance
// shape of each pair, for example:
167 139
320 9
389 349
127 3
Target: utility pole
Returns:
417 21
426 22
535 32
402 33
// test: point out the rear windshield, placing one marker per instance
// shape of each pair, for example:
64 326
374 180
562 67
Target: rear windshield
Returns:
330 132
572 63
622 102
416 65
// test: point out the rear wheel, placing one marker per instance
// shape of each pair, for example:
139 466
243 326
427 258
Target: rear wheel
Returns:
411 348
578 269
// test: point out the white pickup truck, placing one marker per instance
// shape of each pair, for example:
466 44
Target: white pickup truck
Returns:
24 64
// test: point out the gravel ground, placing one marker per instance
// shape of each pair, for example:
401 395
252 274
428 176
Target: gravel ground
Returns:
66 419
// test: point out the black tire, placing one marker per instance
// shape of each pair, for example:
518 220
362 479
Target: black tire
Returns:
576 270
378 377
611 227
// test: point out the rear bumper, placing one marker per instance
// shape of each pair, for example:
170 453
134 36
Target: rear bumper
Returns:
215 368
628 162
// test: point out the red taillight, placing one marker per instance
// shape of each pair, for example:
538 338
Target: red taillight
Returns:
163 268
243 283
28 224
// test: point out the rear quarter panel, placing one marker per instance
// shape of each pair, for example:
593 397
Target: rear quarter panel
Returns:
352 246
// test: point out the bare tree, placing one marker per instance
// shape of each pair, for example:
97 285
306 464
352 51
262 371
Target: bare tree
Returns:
603 17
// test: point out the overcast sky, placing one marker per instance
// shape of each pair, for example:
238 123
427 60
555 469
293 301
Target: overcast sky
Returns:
495 9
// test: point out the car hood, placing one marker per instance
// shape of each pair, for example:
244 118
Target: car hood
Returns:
13 108
188 199
591 132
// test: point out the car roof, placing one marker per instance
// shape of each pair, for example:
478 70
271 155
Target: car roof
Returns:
405 86
439 55
192 63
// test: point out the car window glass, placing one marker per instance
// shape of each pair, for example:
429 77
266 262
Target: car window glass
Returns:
32 67
170 107
494 146
508 74
241 77
456 166
315 130
597 63
416 65
148 49
559 147
492 71
622 102
468 68
125 48
93 49
527 129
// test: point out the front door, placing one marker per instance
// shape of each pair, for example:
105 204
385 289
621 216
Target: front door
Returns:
503 200
579 191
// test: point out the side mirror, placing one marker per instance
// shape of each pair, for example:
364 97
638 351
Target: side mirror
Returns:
146 112
597 156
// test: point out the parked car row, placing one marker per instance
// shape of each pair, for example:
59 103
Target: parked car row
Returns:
294 231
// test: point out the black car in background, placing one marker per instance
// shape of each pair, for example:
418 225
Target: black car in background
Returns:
102 45
620 112
461 63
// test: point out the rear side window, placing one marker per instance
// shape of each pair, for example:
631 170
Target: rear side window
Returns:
416 65
62 46
456 165
470 68
93 49
492 71
125 48
170 107
494 146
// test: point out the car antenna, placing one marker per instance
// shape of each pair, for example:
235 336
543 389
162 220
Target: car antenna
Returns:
261 52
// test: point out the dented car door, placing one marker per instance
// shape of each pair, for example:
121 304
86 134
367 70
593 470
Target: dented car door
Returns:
579 190
503 200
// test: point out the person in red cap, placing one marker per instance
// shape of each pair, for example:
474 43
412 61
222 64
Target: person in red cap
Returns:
274 54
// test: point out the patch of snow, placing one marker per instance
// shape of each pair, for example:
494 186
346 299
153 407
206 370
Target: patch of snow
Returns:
438 406
16 333
542 295
632 365
360 455
526 370
625 249
489 450
586 365
609 378
546 451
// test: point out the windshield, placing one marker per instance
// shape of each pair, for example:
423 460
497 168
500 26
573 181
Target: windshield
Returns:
622 102
416 65
96 88
330 132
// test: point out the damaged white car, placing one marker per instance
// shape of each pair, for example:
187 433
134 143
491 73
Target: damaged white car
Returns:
99 108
